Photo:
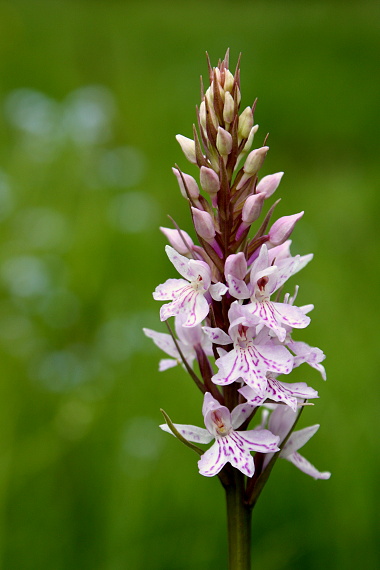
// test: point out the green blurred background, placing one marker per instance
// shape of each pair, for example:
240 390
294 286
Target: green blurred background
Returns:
92 94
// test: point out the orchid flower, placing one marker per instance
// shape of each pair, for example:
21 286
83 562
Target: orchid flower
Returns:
280 422
251 357
188 339
188 296
230 446
266 279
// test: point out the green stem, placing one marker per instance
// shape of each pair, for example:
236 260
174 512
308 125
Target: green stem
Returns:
239 516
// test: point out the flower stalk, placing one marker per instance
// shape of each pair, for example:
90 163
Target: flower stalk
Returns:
233 323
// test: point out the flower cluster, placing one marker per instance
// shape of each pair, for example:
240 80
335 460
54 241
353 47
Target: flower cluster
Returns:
230 314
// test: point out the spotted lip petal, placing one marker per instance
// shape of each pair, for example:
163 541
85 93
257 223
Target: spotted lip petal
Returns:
274 315
191 303
228 449
279 392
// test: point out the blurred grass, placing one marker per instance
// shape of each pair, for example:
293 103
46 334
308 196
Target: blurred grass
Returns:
86 478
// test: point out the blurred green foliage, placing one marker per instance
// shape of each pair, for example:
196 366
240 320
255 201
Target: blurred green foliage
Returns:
91 96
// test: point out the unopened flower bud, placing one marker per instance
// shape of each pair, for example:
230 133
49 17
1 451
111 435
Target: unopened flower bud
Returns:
228 80
253 164
209 180
202 114
282 228
252 208
236 265
223 142
188 148
245 123
210 95
190 182
204 225
255 160
269 184
251 136
181 241
238 95
229 108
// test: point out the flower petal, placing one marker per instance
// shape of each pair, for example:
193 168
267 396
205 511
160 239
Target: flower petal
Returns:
171 289
266 314
291 316
166 363
191 433
213 460
298 439
261 440
180 262
237 288
305 466
218 336
239 414
218 290
164 342
190 303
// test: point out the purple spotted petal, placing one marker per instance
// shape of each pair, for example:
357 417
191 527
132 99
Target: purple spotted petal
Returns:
310 354
214 459
261 440
217 335
305 466
280 392
244 363
190 303
237 288
266 314
181 263
291 316
240 413
171 289
191 433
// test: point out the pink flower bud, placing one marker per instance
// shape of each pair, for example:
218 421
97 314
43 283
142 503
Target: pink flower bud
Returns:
252 208
282 228
269 184
188 148
223 142
176 241
236 265
229 108
245 123
190 182
209 180
255 160
204 225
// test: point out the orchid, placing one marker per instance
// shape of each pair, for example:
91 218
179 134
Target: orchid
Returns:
266 279
230 446
252 356
188 297
280 422
233 325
